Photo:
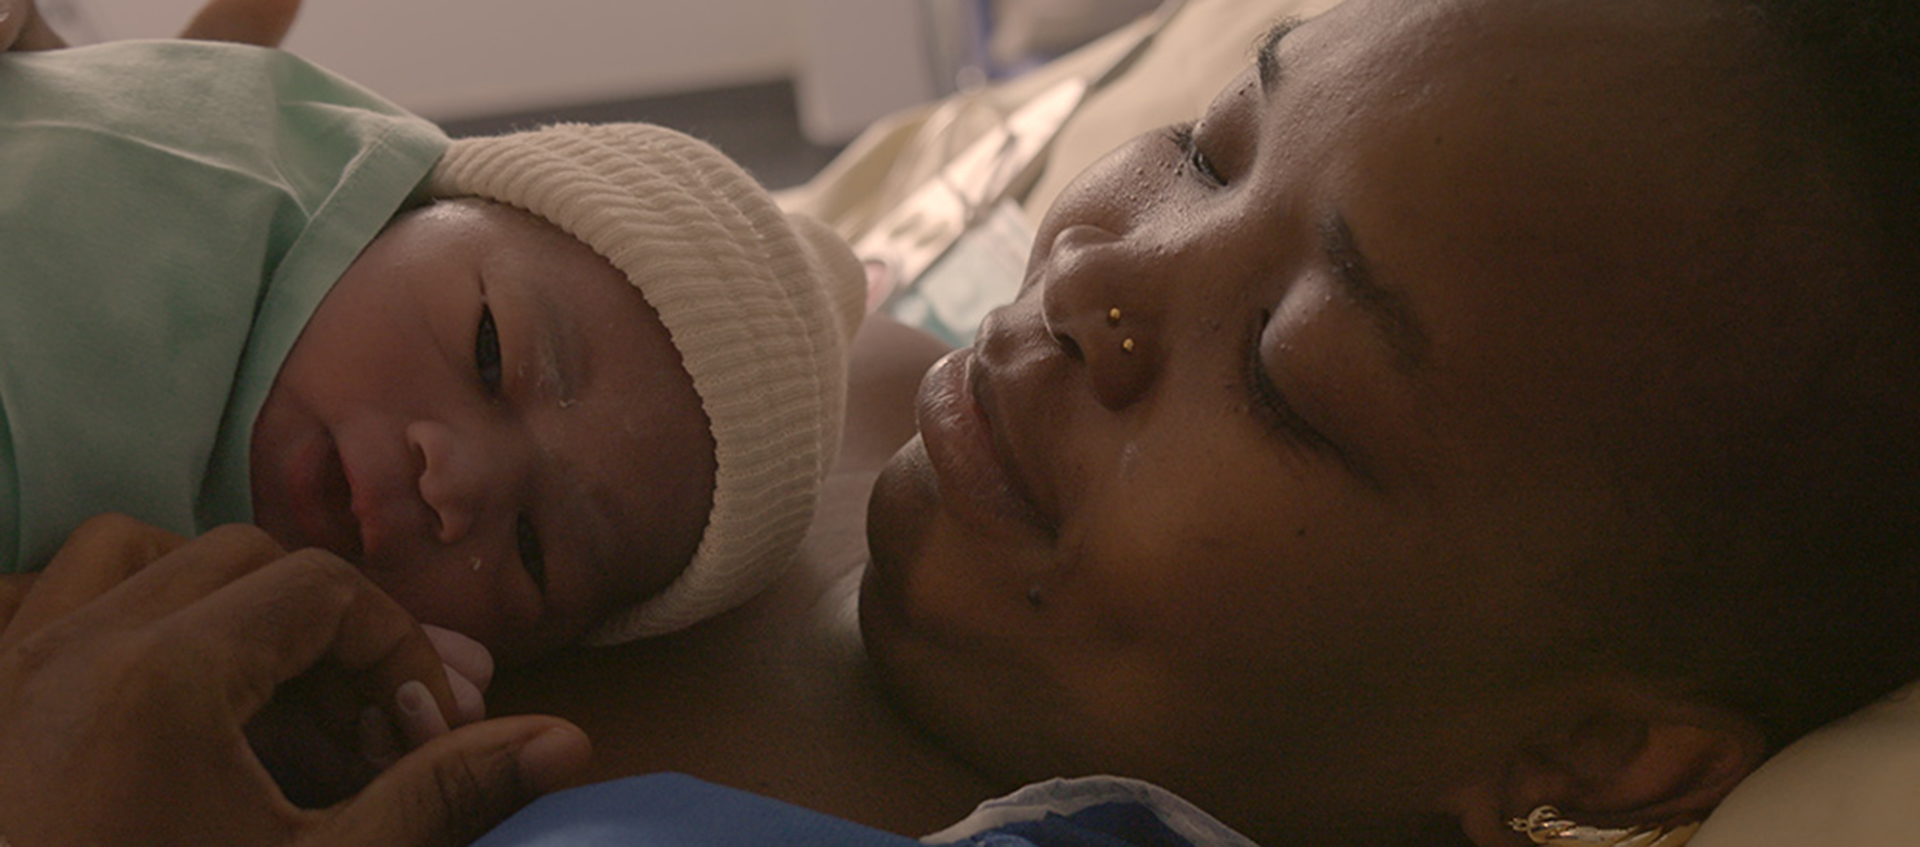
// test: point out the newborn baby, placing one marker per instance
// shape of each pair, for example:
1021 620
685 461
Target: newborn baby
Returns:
578 383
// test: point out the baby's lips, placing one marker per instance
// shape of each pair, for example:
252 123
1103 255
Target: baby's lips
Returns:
463 655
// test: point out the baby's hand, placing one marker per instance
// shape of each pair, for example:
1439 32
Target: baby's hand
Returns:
469 671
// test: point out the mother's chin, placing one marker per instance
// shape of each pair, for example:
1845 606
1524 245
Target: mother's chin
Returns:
949 629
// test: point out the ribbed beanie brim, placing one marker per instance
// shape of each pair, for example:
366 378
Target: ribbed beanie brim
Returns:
762 306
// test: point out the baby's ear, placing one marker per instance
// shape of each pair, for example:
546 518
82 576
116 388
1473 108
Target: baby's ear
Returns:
1616 753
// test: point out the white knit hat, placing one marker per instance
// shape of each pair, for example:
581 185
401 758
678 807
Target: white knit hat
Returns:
761 304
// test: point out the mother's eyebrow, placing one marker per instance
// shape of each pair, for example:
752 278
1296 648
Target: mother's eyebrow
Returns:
1391 312
1267 58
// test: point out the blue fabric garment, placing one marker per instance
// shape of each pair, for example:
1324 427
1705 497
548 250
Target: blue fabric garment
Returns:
674 810
1117 824
1094 811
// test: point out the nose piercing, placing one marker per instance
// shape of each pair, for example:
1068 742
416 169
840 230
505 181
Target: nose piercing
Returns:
1126 345
1113 316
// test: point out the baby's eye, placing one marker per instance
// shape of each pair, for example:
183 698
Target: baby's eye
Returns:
486 351
532 558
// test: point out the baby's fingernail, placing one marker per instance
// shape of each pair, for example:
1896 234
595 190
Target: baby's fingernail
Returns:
468 703
553 757
420 717
463 654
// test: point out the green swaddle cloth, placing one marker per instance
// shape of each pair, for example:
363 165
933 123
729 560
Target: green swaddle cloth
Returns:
171 212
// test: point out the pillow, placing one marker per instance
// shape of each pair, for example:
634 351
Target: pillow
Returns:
1203 47
1856 782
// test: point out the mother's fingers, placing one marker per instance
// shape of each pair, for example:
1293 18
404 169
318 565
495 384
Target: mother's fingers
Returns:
13 591
455 789
272 624
194 571
22 28
261 22
98 556
13 15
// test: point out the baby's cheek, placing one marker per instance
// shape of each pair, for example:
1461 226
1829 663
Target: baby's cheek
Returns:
467 594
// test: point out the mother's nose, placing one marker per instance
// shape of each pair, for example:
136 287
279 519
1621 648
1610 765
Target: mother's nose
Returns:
1101 310
461 476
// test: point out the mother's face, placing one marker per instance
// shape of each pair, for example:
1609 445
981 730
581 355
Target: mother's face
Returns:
1308 423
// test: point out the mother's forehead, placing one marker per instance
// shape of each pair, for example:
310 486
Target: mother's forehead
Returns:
1575 196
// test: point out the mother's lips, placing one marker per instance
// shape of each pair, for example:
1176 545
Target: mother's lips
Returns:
977 469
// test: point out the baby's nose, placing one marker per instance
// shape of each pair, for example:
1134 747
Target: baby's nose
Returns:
458 477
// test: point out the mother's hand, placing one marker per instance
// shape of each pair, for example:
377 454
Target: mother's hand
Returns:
124 690
22 28
261 22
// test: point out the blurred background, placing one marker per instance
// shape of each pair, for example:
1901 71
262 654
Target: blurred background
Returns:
780 85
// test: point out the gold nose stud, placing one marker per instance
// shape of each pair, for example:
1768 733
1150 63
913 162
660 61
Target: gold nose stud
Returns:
1113 319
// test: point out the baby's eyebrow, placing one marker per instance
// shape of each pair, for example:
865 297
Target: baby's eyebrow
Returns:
1391 312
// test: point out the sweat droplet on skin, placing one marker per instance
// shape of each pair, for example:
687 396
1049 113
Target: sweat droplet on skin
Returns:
477 564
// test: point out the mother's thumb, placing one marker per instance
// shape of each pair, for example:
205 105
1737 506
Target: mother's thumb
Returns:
454 789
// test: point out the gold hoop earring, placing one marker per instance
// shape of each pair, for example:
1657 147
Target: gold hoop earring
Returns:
1545 826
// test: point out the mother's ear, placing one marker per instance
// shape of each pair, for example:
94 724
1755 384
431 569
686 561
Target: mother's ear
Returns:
1612 752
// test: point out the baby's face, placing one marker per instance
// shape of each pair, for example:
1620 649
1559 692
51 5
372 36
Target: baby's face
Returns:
491 421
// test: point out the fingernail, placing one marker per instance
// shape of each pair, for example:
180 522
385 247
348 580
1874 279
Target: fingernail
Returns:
469 705
420 717
552 758
463 654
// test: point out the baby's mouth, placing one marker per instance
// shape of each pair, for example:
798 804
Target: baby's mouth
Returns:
340 527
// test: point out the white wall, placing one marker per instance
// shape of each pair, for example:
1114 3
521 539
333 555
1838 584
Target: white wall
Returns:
463 58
